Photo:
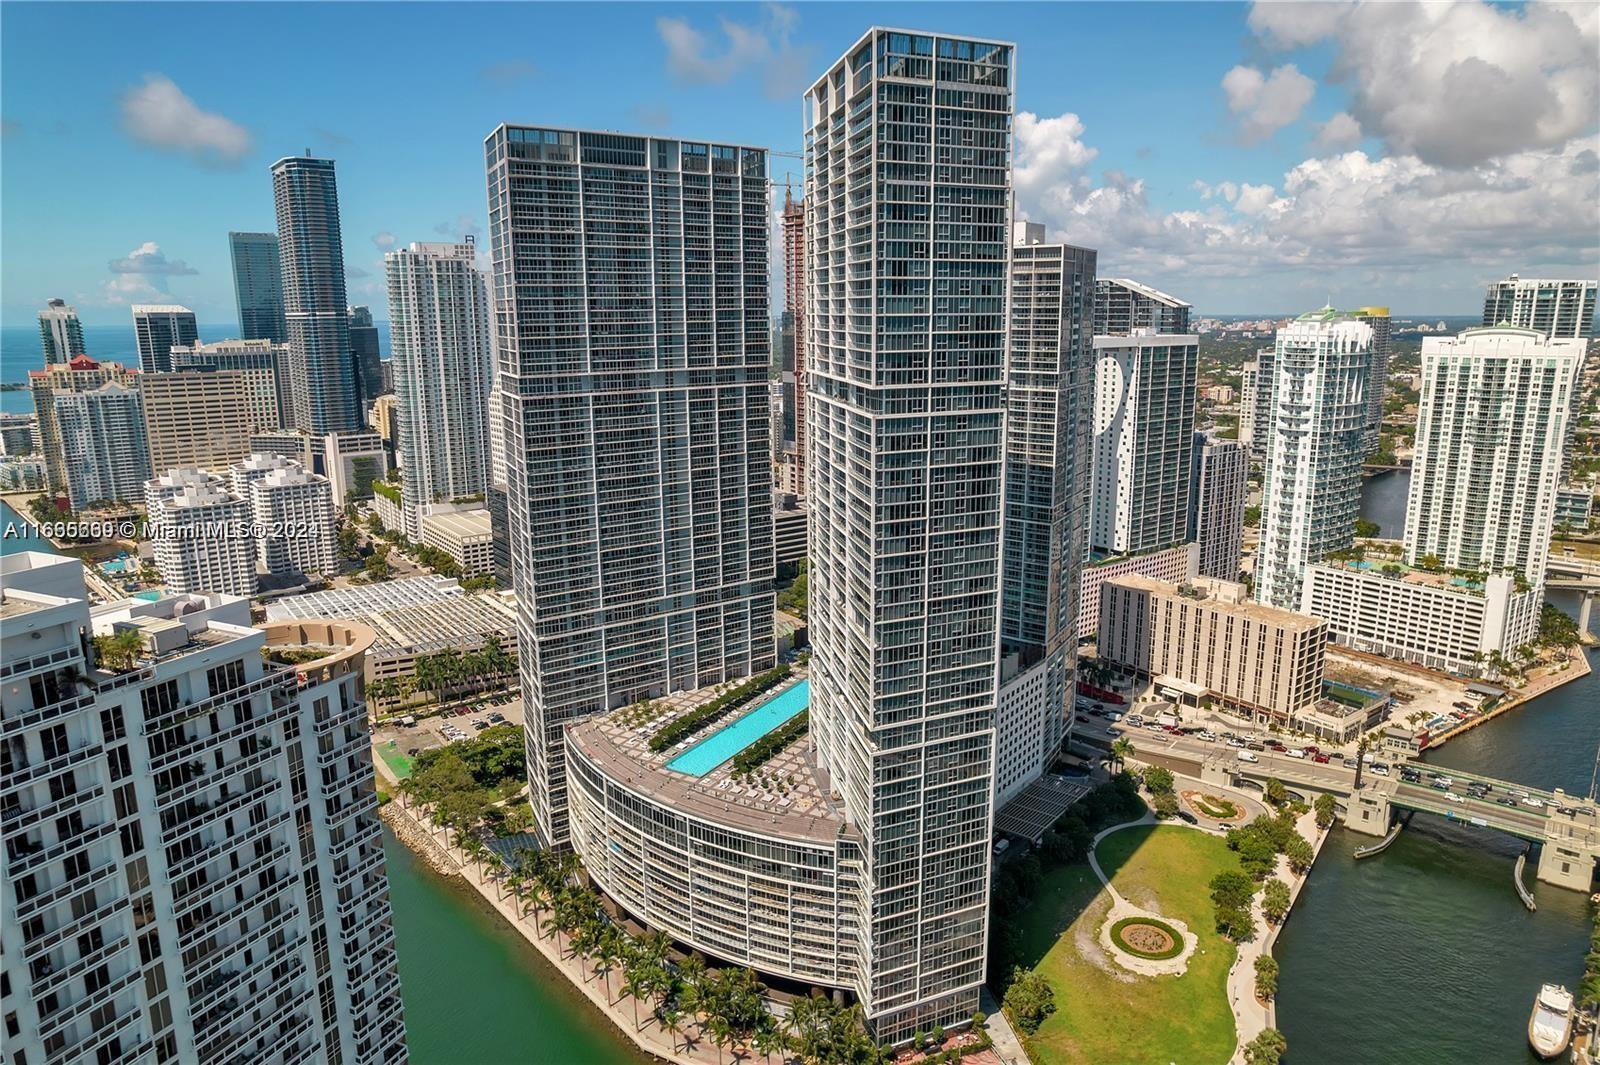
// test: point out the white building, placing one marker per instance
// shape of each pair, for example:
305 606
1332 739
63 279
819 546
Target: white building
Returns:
1247 404
350 461
103 448
1049 388
464 535
1219 484
194 866
60 332
1491 424
1430 618
1378 375
1178 563
293 516
1556 308
1491 427
639 484
200 534
439 326
157 329
1143 440
1311 490
905 594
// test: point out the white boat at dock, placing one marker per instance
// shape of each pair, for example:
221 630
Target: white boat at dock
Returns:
1550 1023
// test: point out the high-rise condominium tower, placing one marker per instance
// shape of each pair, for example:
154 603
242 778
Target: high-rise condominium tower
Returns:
194 866
793 457
634 339
1311 490
1378 378
103 448
1049 385
1123 306
908 143
258 286
1144 398
80 374
1218 488
60 332
322 377
157 328
1491 426
439 325
1554 308
365 357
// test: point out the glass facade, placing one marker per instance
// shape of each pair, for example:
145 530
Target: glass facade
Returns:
632 328
258 286
322 376
908 173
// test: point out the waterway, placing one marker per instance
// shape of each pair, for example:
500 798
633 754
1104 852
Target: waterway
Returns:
475 991
1425 954
1383 500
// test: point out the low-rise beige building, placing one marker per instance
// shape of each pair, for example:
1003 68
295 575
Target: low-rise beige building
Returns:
464 535
1206 635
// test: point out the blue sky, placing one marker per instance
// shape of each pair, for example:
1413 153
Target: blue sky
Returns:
1246 159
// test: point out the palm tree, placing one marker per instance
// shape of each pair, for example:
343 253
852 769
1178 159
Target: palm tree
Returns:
767 1040
1121 751
671 1019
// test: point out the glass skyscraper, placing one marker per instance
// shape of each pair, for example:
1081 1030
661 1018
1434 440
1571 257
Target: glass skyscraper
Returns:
633 336
323 387
60 332
157 329
439 320
365 357
258 286
908 175
1311 489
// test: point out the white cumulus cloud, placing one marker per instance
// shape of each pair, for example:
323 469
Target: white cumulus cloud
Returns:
1265 103
159 114
1455 84
693 58
1340 131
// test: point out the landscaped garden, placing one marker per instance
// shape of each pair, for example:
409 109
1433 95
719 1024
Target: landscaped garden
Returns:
1103 1013
1146 937
1215 807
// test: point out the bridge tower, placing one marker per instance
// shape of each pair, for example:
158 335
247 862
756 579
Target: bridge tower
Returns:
1369 810
1571 843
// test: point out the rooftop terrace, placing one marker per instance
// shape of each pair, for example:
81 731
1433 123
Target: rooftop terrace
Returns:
787 795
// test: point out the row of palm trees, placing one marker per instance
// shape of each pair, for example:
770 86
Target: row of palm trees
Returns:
449 672
684 998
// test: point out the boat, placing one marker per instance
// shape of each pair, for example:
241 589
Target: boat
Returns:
1550 1023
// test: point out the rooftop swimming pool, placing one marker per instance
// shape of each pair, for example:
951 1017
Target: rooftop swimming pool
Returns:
732 738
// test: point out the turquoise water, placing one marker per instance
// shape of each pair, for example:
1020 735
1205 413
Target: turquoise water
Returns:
729 740
18 533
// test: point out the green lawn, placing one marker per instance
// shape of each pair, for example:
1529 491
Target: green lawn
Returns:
1139 1020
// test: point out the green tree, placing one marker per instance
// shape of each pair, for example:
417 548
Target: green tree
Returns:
1266 1049
1275 900
1266 976
1557 628
1277 792
1165 805
1029 1000
1121 751
1325 811
1158 779
1252 517
1229 888
1300 855
119 651
1366 528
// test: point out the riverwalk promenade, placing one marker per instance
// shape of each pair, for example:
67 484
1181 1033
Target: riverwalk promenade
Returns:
690 1045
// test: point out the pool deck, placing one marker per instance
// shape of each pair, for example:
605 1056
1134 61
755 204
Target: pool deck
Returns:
788 796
